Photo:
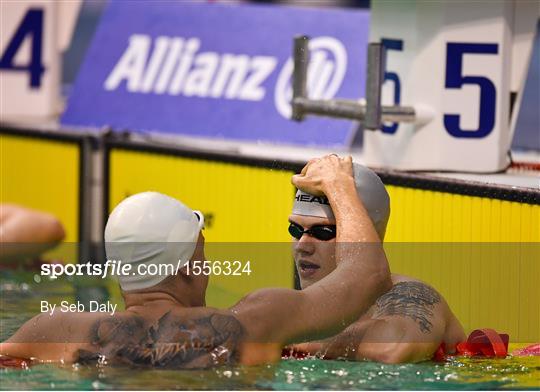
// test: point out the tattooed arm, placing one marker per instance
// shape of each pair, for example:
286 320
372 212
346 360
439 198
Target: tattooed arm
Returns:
407 324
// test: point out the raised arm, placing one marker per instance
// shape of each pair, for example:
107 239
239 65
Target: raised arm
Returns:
328 306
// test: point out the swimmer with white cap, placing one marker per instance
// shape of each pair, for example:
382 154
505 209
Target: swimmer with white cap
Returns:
406 324
152 229
165 323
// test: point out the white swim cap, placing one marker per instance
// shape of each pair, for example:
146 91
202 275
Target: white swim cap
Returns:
371 191
153 229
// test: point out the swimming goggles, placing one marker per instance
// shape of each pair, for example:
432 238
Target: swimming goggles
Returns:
322 232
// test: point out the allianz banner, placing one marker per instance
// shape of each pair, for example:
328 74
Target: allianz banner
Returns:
219 71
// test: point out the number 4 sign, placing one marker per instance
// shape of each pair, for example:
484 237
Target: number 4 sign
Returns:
34 33
462 60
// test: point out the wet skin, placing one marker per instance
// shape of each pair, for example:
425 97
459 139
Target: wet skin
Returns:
405 324
167 325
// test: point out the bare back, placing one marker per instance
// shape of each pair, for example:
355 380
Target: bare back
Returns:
173 337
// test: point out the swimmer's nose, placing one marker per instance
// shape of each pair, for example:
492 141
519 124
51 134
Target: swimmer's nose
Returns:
306 244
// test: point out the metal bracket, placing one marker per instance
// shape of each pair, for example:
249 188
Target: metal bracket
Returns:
372 114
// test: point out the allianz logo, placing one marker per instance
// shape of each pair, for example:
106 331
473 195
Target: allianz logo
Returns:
174 66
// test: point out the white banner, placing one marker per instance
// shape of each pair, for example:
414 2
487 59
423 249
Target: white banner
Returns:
33 35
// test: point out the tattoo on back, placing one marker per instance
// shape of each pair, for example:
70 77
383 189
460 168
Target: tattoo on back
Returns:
175 342
412 299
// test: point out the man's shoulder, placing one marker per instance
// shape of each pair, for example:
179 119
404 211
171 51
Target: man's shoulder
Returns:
408 286
405 292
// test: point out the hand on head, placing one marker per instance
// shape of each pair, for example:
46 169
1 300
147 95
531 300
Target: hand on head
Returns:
319 173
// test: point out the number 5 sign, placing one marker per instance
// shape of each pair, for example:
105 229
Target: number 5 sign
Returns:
467 62
33 35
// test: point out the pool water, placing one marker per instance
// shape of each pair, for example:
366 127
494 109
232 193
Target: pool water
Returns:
20 301
314 374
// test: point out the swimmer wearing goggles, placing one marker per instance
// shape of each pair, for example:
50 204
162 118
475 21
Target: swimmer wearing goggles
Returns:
166 323
406 324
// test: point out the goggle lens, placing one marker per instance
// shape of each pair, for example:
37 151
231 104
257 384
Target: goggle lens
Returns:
322 232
